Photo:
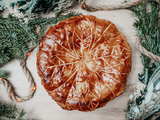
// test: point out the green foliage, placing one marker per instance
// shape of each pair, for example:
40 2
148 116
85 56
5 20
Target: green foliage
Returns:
148 70
4 4
45 23
11 113
67 16
16 37
4 74
147 26
29 7
44 6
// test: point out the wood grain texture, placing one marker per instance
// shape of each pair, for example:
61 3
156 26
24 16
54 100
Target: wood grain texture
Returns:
42 107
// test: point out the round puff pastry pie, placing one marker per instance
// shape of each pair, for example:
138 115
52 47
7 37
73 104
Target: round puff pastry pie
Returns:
84 62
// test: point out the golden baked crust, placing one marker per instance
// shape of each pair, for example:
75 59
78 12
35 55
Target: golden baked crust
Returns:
84 62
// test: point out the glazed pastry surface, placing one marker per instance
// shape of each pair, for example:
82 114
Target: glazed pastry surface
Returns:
84 62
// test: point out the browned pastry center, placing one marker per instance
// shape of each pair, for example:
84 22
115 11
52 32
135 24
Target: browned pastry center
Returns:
84 62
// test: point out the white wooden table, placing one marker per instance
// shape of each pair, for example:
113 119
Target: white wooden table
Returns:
42 107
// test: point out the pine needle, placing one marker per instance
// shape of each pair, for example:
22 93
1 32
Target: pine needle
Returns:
11 113
147 26
45 23
16 37
4 74
142 103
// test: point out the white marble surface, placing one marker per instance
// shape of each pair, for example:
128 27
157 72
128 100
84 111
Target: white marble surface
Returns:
42 107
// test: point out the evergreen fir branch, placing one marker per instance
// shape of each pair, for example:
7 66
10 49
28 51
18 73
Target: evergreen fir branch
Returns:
67 16
16 37
11 113
147 26
4 4
45 23
4 74
29 7
143 102
45 6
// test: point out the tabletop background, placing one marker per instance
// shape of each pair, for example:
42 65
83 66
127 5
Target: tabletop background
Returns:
42 107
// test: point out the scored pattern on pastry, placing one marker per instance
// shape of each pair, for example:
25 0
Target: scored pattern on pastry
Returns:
84 62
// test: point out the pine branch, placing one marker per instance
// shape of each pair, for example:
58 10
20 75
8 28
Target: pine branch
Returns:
45 23
147 26
67 16
37 6
16 37
11 113
4 4
29 7
146 98
4 74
